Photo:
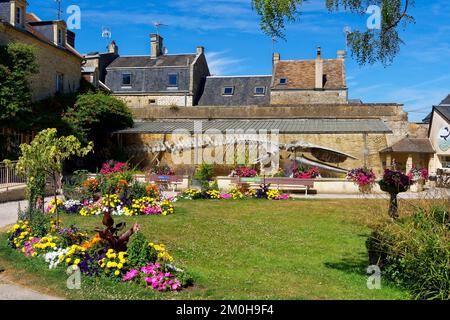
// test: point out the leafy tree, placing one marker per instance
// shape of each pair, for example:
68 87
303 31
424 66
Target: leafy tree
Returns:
368 46
44 158
17 63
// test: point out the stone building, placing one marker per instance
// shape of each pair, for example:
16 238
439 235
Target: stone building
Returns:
59 62
439 135
95 64
319 81
159 78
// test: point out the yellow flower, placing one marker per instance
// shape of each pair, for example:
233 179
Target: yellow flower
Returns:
117 272
77 262
119 266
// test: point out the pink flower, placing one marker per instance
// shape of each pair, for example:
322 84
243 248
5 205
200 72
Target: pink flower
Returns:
133 273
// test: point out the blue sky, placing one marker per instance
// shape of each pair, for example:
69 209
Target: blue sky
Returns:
229 30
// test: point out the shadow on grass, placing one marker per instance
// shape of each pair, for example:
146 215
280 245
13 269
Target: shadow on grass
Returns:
357 265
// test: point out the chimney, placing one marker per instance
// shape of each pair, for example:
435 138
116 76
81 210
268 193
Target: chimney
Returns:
341 54
319 69
200 51
276 57
156 45
113 48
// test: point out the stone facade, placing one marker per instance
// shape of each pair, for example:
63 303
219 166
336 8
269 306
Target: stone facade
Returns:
52 60
143 101
292 97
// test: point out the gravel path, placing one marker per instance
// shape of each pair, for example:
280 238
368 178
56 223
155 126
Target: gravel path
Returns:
11 291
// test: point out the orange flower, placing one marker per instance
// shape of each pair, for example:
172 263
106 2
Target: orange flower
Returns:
90 243
122 184
152 191
91 184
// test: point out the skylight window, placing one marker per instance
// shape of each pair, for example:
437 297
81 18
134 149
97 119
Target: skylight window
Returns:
126 79
173 79
283 81
228 91
260 91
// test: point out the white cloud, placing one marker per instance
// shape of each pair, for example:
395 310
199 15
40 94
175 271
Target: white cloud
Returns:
220 64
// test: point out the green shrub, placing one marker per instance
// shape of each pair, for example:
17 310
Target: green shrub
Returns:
140 253
414 252
137 190
40 223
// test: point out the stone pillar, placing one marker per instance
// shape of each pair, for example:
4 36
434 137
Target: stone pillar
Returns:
409 163
388 161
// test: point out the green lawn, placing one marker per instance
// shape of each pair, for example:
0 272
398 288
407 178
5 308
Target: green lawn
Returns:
251 249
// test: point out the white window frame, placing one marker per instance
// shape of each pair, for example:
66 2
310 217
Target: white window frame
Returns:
59 37
285 81
260 94
228 94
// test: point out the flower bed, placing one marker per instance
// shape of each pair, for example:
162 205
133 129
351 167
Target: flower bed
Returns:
235 194
114 190
143 262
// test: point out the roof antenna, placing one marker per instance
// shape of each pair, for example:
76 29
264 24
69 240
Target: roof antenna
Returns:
347 32
274 41
59 8
158 25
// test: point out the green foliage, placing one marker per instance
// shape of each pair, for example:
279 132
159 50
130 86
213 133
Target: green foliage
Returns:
17 63
40 223
73 186
140 253
204 174
96 114
414 252
138 190
367 47
44 157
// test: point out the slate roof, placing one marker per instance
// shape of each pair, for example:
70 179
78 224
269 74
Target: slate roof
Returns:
409 145
174 60
301 74
284 126
446 101
444 110
244 91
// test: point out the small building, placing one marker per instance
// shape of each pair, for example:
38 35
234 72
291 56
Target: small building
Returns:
319 81
59 62
439 135
159 78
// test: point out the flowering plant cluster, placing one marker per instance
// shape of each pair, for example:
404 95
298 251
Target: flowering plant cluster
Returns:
112 166
418 174
245 172
163 170
93 257
395 181
302 172
365 178
234 194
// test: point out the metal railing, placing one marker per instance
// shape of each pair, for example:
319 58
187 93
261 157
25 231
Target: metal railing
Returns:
9 177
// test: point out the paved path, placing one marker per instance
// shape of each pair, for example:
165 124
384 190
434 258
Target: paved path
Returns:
11 291
428 194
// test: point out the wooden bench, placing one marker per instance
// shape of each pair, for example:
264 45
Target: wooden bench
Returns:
281 184
166 181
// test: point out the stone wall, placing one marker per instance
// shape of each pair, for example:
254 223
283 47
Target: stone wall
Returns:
149 102
295 97
354 144
51 61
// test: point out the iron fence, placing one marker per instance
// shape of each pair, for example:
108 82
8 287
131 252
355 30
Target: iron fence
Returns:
9 177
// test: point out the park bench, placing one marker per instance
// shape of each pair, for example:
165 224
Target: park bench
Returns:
281 184
166 182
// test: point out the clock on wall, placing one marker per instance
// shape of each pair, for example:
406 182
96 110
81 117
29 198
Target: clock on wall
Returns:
444 139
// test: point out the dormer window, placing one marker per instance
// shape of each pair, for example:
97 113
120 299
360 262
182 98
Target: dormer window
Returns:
260 91
228 91
283 81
